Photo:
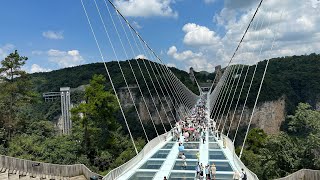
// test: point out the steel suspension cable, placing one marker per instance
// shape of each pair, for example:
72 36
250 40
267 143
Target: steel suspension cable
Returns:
232 86
260 87
248 92
154 85
225 95
218 91
118 62
221 98
105 65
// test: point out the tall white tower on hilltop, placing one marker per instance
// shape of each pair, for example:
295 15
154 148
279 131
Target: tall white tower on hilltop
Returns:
65 110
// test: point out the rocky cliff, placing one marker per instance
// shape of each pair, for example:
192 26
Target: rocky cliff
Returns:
127 103
267 116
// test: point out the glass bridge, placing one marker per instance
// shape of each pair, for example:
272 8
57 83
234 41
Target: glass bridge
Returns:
160 158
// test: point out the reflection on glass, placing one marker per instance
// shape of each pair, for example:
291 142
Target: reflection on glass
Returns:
214 146
190 154
224 176
152 164
142 176
162 154
182 176
191 145
168 145
191 165
222 166
216 155
212 139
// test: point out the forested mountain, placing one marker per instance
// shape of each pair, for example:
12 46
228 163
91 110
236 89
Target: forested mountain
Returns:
80 75
296 78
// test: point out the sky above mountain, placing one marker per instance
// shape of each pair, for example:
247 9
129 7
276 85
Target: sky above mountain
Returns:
183 33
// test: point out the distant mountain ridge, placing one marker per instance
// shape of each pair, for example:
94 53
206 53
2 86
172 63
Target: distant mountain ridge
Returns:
294 77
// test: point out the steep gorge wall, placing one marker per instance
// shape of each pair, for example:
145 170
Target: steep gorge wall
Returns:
267 116
127 103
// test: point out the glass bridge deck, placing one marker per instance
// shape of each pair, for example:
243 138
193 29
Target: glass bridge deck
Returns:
163 161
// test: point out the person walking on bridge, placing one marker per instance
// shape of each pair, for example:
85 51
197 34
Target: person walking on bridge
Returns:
198 169
213 171
207 171
243 175
198 155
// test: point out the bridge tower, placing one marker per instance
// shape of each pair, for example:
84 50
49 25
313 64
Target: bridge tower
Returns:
65 123
65 110
218 75
191 75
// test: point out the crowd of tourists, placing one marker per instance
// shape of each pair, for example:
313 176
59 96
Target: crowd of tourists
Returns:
194 128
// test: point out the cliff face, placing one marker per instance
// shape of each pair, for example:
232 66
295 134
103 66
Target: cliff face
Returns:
166 113
267 116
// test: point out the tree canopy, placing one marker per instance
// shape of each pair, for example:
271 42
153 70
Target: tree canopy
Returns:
277 156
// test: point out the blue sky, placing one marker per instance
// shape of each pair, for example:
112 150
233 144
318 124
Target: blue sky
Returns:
184 33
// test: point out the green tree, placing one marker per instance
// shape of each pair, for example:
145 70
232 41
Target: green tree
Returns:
305 126
277 156
97 117
14 89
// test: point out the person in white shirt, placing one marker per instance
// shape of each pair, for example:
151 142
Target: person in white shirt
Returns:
243 175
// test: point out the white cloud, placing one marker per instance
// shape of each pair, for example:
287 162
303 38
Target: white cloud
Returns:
37 68
141 56
296 32
136 25
209 1
315 3
5 50
36 52
196 60
198 35
53 34
171 65
146 8
185 55
65 58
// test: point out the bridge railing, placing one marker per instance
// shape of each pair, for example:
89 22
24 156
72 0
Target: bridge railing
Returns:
303 174
115 173
237 160
40 168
